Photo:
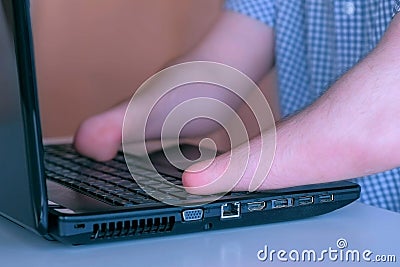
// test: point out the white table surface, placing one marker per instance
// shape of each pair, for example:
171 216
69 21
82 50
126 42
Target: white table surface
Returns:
363 227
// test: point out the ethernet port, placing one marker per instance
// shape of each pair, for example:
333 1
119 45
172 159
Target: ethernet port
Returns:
230 210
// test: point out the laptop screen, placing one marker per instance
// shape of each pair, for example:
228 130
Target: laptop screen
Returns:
22 190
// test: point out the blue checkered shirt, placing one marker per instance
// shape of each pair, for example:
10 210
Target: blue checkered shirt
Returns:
316 42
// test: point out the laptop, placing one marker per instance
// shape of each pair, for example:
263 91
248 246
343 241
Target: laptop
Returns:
61 195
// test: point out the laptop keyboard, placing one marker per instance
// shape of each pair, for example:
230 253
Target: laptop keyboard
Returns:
110 181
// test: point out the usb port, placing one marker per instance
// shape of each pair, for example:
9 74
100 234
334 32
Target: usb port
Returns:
230 210
305 200
282 203
325 198
256 206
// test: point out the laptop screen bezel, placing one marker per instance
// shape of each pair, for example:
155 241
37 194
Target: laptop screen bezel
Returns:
19 12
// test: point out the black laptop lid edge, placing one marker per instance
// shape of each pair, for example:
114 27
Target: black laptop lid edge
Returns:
23 44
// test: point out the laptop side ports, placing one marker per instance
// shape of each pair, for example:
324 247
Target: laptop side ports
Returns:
230 210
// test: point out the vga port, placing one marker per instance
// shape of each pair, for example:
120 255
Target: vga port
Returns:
192 215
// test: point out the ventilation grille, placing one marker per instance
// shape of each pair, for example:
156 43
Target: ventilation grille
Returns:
132 228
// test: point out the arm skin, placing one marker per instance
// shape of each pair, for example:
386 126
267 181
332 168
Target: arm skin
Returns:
352 130
235 40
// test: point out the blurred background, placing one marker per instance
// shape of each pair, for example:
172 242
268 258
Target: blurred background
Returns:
91 54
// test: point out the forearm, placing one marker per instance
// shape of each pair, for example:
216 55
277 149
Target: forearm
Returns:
350 131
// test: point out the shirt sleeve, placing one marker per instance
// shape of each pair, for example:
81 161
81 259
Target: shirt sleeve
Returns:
262 10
